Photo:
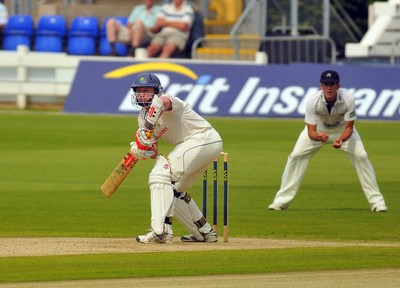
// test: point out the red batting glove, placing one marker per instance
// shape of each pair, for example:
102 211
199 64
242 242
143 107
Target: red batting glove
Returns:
142 140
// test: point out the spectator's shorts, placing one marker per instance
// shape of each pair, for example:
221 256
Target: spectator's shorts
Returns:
147 37
177 38
124 34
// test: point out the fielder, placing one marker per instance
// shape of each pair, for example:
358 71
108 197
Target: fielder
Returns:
330 116
196 145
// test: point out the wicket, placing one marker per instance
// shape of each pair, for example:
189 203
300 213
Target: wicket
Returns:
215 194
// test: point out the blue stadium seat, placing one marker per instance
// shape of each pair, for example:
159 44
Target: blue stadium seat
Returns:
104 45
18 31
50 33
82 35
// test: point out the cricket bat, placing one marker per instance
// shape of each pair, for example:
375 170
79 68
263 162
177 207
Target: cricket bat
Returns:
118 174
125 166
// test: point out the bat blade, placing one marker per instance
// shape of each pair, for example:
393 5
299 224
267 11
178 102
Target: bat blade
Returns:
118 175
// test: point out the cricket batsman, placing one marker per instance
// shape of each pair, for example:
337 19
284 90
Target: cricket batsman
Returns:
196 144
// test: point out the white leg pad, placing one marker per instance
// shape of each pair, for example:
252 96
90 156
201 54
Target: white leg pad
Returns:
161 193
184 215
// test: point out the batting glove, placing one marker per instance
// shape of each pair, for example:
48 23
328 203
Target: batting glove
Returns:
139 153
143 140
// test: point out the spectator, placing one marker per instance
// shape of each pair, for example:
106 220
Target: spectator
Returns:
173 23
3 18
137 32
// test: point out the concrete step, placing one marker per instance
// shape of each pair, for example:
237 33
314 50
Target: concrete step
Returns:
395 24
383 50
225 41
225 54
389 37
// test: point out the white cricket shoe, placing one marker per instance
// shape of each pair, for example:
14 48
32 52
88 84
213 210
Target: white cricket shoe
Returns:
210 237
276 206
151 237
380 208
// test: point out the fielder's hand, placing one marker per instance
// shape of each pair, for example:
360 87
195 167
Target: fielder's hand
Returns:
337 144
139 153
323 137
144 139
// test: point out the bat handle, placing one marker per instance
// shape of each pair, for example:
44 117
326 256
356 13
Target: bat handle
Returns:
149 133
140 145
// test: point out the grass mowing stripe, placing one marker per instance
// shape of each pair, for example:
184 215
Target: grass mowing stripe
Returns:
53 166
107 266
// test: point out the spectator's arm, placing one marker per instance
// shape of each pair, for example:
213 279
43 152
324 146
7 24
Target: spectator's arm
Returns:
162 22
183 26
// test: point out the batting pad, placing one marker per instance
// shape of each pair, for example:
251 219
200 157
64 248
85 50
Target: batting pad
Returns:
183 215
161 193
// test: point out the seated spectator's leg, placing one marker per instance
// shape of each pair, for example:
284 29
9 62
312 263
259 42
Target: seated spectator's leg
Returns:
141 37
156 45
167 50
111 32
131 50
138 33
153 49
175 41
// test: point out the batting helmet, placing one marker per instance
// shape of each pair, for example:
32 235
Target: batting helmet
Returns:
146 80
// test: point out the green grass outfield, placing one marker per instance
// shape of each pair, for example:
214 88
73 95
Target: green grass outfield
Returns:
53 164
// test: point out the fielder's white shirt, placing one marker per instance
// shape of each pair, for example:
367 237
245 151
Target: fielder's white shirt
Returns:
178 124
317 112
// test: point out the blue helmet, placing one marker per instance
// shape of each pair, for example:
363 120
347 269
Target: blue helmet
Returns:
146 80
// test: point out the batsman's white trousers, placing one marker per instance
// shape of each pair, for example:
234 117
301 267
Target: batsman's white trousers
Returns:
189 159
305 149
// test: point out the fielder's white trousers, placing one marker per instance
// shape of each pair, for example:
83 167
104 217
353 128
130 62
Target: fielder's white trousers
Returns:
305 149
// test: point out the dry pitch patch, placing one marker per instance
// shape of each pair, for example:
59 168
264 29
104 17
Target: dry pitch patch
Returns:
18 247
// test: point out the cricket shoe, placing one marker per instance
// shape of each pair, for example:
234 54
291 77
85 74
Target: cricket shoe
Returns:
210 237
380 208
276 206
151 237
